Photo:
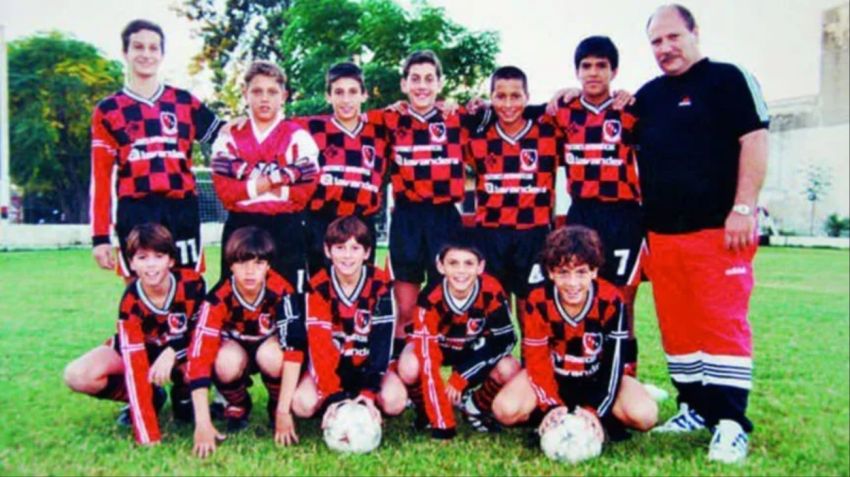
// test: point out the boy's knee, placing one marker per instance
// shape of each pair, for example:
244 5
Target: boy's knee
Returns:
393 403
506 369
408 368
644 416
304 405
75 377
507 411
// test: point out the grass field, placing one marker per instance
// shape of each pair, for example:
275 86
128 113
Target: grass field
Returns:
55 305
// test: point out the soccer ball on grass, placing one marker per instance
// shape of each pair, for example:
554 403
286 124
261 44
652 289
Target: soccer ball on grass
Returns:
352 426
571 437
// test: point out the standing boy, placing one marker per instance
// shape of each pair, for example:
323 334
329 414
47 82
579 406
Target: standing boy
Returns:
265 172
146 132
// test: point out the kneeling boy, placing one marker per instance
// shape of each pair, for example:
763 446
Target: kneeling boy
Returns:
155 319
350 324
464 322
574 334
249 322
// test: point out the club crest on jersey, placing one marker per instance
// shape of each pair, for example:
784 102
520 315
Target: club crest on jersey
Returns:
611 130
368 156
438 132
177 323
592 343
685 102
528 159
265 322
362 322
474 326
168 121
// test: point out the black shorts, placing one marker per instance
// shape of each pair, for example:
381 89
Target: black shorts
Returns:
417 233
179 216
288 233
620 227
251 347
153 352
513 256
317 224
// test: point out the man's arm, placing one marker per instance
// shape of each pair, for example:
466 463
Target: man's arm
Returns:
752 167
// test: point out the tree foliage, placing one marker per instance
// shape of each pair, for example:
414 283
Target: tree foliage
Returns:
54 82
314 34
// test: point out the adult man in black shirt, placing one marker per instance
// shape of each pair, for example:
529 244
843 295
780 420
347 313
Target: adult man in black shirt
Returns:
702 156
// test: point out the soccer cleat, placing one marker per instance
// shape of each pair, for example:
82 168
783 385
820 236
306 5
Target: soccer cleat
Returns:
686 420
479 420
729 443
159 398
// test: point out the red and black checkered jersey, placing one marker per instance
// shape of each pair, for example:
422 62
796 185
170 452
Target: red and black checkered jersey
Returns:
149 141
480 326
264 152
224 312
353 165
142 323
426 156
358 327
599 151
585 348
515 175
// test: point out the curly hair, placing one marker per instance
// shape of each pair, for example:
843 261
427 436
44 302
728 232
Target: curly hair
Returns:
572 245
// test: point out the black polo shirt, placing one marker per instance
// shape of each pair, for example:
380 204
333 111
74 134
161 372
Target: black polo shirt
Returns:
688 132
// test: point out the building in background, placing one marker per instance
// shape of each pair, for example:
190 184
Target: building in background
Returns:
810 137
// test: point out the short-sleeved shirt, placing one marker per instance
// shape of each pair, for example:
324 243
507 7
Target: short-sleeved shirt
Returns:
688 136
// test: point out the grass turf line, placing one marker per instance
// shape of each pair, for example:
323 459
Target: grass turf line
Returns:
55 305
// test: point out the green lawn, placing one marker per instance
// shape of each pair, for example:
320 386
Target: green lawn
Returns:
54 305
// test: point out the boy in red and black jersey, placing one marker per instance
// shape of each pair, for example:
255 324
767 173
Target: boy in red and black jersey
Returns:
156 317
352 161
427 172
602 174
464 322
144 134
350 326
515 162
250 322
573 341
264 172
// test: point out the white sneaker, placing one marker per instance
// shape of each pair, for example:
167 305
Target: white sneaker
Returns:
729 443
686 420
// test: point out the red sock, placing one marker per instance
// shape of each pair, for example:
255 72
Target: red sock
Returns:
484 395
115 389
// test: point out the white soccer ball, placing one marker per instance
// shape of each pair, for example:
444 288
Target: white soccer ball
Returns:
352 428
573 437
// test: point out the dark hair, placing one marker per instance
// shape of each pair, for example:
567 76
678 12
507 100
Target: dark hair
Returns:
248 243
683 12
462 245
508 73
344 228
420 57
136 26
265 68
598 46
151 236
572 245
344 70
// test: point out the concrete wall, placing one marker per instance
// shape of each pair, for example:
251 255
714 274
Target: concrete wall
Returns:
835 66
792 152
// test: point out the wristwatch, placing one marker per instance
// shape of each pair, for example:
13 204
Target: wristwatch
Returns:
742 209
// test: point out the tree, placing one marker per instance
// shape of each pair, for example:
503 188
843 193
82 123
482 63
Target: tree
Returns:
54 82
817 184
314 34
